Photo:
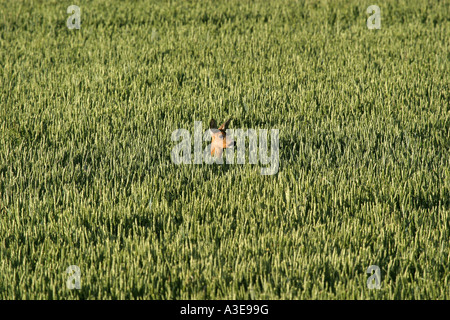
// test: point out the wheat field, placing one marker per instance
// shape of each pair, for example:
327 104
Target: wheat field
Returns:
86 177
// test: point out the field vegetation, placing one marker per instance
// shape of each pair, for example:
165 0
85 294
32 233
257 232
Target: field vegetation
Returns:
86 177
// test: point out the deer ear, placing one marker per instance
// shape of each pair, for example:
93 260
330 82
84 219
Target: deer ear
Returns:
212 124
224 126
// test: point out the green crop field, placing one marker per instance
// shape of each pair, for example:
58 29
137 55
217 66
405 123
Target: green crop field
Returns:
87 180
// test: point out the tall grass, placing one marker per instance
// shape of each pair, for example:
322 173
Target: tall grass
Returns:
86 177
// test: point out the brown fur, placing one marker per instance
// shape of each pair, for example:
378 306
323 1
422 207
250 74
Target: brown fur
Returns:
219 139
